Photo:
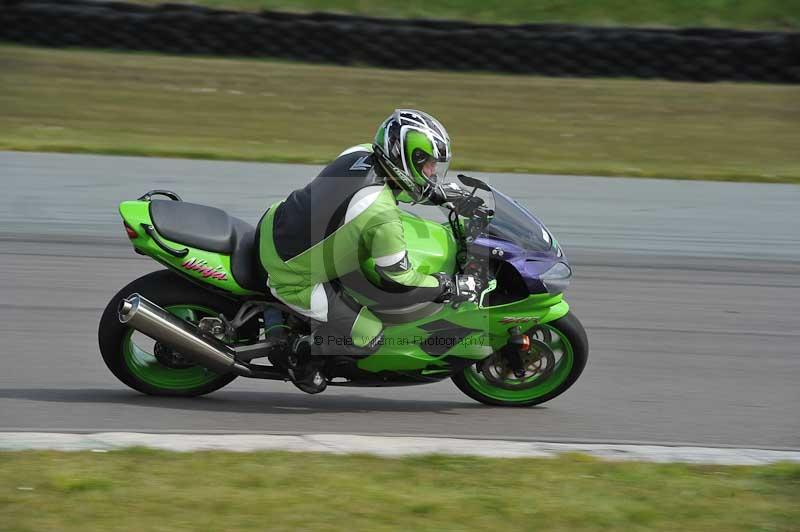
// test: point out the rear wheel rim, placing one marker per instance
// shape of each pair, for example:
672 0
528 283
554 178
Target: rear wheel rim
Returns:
143 364
550 381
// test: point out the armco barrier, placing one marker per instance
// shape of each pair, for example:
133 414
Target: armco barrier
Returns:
548 50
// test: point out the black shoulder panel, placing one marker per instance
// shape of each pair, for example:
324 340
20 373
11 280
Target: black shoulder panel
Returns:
357 163
315 211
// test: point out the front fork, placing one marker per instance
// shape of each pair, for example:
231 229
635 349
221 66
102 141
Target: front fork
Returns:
518 345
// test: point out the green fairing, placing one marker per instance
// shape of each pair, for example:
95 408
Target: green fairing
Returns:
431 248
403 344
207 267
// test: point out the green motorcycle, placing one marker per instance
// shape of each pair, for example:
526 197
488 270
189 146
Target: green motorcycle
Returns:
208 318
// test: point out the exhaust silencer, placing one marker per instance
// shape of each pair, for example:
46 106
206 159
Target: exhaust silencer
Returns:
152 320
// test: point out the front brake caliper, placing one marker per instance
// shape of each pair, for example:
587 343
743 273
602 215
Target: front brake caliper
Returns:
518 344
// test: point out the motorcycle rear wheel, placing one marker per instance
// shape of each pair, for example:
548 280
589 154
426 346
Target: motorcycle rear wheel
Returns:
156 369
567 336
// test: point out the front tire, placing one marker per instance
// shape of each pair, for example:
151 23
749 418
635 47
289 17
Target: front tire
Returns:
136 365
565 334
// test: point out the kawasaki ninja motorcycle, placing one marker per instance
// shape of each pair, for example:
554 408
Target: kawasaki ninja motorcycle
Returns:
208 318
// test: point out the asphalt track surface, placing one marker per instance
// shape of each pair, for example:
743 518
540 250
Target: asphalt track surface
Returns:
689 291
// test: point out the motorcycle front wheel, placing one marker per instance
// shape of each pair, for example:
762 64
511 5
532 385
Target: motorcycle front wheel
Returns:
558 355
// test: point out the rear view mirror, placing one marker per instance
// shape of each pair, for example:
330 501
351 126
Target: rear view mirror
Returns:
473 183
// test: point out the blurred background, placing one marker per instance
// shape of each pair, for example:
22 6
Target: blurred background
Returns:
559 90
657 140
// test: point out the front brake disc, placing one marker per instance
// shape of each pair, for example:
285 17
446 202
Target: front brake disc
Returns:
538 362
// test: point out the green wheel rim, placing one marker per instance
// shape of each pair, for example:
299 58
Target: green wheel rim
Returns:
148 369
555 379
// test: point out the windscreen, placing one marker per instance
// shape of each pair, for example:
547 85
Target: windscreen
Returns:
514 223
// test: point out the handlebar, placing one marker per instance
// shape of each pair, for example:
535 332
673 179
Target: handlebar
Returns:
464 203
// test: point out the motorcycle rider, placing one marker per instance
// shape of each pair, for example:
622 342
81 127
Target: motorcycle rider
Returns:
348 215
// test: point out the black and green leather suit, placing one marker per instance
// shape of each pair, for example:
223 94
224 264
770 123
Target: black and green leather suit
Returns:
327 230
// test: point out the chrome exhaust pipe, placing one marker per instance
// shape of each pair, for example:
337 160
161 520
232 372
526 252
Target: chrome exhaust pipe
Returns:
147 317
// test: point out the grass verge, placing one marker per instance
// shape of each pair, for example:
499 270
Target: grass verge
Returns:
148 104
153 490
769 14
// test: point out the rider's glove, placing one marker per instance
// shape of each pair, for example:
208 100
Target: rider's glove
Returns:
447 287
457 288
466 288
437 196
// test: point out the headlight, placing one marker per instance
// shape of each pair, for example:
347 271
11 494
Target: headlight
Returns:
556 279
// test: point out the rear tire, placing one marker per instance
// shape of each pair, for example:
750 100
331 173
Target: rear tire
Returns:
572 335
141 370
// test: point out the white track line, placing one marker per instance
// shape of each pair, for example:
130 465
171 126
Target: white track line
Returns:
389 446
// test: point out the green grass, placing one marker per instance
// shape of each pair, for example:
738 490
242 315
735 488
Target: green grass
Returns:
147 104
147 490
770 14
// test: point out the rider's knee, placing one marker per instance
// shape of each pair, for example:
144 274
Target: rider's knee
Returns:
367 331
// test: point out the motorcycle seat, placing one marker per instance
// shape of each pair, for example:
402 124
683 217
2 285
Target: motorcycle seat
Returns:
212 229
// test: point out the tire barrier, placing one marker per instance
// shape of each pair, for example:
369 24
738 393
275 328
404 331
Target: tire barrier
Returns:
537 49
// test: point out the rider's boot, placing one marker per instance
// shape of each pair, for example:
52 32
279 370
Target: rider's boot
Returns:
306 370
307 365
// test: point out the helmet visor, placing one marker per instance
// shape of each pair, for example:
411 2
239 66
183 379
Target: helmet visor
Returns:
430 168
